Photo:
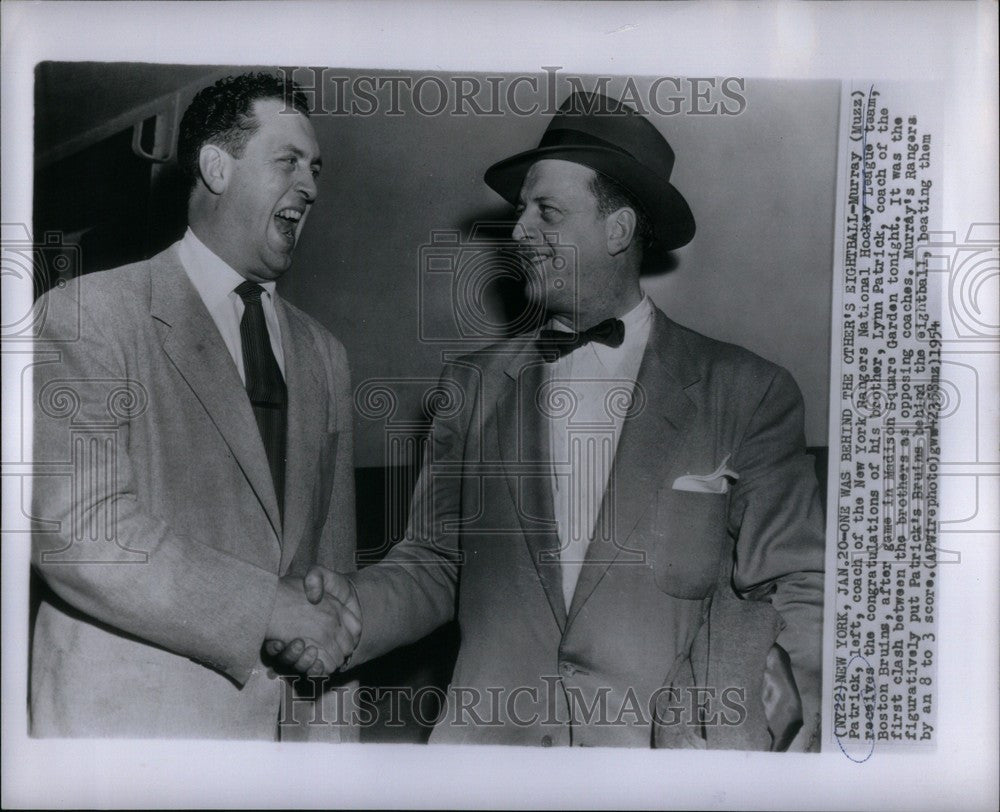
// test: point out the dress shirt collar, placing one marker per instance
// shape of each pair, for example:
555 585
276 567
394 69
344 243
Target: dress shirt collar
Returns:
214 280
637 323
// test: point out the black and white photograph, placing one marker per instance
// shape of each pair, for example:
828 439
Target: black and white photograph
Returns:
376 413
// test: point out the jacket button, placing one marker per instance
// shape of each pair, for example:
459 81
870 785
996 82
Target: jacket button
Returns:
567 669
546 740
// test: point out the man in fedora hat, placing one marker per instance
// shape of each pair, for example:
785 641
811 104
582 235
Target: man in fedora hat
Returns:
619 511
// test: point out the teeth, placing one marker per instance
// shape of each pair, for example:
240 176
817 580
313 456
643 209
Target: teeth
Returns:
534 256
290 214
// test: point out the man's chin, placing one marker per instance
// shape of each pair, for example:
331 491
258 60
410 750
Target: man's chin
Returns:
278 262
555 303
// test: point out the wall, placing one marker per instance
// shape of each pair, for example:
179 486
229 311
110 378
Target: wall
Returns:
760 183
758 273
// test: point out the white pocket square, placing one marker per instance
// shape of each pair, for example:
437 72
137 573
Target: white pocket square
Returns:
715 482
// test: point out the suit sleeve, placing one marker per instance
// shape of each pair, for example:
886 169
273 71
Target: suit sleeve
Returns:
412 590
336 551
99 548
338 540
777 518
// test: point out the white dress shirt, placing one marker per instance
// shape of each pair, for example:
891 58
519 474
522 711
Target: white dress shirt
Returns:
216 284
600 381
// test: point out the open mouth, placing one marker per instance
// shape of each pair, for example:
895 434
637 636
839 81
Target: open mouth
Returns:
536 258
287 222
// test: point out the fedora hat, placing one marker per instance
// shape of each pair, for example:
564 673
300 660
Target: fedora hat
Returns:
609 137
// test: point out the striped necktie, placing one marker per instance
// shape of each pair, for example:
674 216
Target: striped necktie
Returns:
265 385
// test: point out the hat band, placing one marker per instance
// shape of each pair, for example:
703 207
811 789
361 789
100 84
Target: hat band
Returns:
577 138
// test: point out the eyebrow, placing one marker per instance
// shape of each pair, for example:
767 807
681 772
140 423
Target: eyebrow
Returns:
537 199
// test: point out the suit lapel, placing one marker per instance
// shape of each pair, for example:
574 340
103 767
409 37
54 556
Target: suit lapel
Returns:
652 433
306 427
524 451
196 349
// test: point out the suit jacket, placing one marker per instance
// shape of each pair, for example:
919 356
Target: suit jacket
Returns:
482 544
159 531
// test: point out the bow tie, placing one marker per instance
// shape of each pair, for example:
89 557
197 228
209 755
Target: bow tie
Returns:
554 344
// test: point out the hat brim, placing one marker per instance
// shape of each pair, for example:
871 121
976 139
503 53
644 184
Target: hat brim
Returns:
668 212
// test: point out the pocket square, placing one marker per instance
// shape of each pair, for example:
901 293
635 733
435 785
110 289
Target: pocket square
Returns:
715 482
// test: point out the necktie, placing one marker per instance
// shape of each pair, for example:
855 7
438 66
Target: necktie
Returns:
265 386
554 344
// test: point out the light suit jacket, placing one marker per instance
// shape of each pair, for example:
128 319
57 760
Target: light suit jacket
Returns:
482 545
158 527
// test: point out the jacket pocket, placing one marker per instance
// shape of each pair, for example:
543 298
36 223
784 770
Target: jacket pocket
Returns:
690 533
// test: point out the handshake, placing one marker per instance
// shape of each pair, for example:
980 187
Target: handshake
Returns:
316 622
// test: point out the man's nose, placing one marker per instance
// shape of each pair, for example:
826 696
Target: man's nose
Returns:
522 229
307 186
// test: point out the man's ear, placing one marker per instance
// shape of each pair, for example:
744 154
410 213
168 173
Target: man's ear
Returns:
214 163
620 228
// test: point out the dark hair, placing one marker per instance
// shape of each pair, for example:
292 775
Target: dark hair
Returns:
612 196
222 114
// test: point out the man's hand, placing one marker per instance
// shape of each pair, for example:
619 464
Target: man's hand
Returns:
782 704
315 624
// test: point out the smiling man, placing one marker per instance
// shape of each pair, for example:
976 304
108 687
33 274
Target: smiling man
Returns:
618 510
219 419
